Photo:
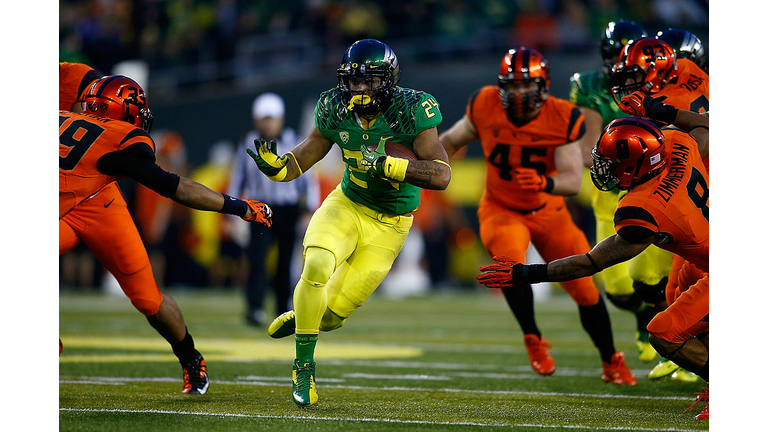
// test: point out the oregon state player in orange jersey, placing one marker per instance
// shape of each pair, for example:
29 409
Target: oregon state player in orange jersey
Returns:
667 205
530 142
74 78
108 142
650 66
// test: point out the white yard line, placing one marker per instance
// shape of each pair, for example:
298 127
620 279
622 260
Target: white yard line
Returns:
377 420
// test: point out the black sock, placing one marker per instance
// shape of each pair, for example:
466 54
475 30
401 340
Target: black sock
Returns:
185 349
520 300
597 323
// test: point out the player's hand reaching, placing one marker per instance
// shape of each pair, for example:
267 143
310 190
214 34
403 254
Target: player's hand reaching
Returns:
267 159
258 212
530 180
641 104
498 275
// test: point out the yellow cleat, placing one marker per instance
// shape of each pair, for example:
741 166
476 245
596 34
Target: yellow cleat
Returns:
645 351
282 326
663 370
682 375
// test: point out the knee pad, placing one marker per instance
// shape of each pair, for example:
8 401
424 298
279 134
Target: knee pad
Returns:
331 321
319 265
146 306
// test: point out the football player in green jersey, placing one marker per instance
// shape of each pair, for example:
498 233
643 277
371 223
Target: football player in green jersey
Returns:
354 237
591 92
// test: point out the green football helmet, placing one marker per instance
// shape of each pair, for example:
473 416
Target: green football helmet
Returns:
613 39
686 45
368 66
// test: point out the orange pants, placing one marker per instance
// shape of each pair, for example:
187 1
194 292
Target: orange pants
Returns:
551 230
105 225
687 293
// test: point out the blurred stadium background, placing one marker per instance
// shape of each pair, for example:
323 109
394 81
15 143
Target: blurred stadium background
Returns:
203 62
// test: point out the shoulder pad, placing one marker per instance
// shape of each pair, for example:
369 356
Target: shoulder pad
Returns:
329 111
400 115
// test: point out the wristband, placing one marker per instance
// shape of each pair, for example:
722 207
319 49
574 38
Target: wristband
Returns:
529 273
233 206
550 185
394 168
663 112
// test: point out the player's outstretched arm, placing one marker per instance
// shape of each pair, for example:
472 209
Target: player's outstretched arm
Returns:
200 197
611 251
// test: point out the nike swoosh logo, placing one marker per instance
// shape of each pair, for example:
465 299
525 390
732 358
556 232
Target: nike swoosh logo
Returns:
109 203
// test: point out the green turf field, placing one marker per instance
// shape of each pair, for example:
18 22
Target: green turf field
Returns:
442 362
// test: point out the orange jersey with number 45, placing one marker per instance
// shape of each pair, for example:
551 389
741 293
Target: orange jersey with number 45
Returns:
83 139
531 145
675 203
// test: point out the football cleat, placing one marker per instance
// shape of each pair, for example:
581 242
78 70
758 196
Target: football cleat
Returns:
645 351
195 376
304 390
701 397
682 375
663 370
282 326
541 361
616 371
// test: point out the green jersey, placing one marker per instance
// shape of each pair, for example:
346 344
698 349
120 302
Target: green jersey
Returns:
593 90
409 113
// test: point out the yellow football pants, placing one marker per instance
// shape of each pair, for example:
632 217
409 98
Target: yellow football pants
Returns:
363 244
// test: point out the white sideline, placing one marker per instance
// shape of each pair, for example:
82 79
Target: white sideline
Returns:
374 420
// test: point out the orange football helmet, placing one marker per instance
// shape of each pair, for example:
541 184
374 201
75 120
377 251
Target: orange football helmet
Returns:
644 64
118 97
629 152
522 66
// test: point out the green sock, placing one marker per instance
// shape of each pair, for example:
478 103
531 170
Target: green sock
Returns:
305 346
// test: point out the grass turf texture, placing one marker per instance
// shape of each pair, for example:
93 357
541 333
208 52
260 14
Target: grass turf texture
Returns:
441 362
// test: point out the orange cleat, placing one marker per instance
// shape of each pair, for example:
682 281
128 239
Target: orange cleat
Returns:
541 361
195 376
616 371
701 397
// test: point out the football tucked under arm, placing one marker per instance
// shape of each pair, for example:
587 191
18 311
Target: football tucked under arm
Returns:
388 160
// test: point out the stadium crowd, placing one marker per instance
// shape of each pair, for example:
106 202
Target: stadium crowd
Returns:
222 39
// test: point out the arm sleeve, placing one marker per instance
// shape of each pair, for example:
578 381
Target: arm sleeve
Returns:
137 161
